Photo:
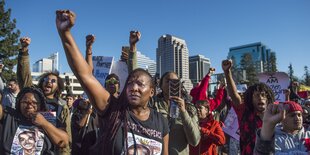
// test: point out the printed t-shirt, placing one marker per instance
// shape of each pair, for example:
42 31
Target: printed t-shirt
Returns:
20 135
144 137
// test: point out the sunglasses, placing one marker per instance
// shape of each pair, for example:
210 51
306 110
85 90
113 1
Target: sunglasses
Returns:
111 81
46 79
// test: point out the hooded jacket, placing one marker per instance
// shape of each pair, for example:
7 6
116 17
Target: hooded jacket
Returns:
284 143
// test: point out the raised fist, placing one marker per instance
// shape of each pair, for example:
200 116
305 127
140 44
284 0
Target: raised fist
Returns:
90 39
65 20
226 64
275 113
25 41
134 37
221 84
211 71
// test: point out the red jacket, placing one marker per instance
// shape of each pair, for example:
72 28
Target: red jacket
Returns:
212 136
200 93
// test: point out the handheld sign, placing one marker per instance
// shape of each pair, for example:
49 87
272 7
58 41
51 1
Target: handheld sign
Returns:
277 81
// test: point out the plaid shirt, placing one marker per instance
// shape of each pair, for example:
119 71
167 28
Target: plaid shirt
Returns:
249 122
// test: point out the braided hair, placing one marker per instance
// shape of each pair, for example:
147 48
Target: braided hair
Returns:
116 114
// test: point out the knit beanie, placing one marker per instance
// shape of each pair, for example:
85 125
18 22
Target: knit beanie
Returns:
293 106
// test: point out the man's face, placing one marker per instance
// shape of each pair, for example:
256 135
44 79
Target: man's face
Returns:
259 100
292 121
69 100
50 85
13 86
305 115
112 85
27 140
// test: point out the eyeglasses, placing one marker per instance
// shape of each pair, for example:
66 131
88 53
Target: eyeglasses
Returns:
46 79
111 81
32 103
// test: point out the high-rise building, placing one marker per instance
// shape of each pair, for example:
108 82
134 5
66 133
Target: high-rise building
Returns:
260 54
198 67
55 58
43 65
146 63
143 61
172 55
47 64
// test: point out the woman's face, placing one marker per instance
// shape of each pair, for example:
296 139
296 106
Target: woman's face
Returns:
165 83
202 111
28 105
139 89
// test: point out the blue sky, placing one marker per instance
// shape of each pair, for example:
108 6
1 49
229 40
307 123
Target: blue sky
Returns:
209 27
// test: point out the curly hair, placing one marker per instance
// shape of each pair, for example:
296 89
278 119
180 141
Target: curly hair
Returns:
260 87
38 94
60 83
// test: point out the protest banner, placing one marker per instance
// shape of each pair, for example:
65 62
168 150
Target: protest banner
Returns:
231 126
277 81
102 67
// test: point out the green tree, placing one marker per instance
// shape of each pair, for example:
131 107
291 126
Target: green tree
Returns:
9 44
291 73
273 63
235 70
248 65
307 76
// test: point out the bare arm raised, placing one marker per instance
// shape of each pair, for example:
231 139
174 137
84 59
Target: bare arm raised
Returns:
23 67
231 86
90 39
133 39
65 20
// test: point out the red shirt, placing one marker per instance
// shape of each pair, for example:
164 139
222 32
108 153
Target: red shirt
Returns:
212 136
200 93
249 122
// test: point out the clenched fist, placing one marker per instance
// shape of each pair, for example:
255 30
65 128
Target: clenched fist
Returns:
65 19
226 65
134 37
90 39
25 41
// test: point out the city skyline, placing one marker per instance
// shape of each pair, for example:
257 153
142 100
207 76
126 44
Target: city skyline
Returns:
209 28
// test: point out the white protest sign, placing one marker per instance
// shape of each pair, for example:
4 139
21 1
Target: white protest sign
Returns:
121 70
102 67
231 126
277 81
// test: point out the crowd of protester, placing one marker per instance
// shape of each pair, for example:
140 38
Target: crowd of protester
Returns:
41 119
